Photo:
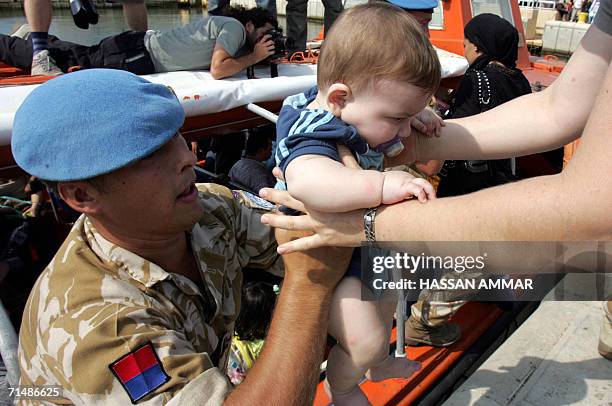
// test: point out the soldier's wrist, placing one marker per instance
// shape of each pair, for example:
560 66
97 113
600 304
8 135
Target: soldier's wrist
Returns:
309 283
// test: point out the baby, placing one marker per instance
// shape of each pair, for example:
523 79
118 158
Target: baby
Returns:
377 70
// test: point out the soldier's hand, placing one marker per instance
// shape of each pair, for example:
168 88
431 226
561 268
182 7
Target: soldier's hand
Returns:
323 266
263 48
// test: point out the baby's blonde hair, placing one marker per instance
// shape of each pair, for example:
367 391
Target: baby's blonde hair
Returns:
376 41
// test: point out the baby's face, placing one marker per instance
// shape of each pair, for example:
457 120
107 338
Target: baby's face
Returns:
384 110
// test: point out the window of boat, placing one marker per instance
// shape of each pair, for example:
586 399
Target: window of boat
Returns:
499 7
437 18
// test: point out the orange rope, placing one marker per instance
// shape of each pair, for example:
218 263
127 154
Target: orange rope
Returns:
310 56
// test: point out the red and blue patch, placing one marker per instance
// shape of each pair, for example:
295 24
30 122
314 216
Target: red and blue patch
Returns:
140 372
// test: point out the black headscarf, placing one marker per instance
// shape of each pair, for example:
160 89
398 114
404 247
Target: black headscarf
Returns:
495 37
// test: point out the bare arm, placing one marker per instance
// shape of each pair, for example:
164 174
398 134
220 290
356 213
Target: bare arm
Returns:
223 64
532 123
329 186
326 185
287 371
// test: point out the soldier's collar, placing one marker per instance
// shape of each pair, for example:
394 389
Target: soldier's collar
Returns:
136 267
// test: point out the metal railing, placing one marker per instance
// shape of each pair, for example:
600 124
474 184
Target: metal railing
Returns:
546 4
8 347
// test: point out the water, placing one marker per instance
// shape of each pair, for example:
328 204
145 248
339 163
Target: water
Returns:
112 22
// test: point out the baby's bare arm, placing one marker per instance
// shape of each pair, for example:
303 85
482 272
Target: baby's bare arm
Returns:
326 185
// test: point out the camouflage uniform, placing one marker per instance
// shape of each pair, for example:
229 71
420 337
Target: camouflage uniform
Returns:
97 302
435 307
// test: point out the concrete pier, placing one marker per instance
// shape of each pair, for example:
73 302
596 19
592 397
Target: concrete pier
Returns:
550 360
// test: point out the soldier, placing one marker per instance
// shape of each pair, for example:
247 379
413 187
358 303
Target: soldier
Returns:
139 303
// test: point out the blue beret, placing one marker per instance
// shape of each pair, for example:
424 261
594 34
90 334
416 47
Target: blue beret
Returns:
415 4
92 122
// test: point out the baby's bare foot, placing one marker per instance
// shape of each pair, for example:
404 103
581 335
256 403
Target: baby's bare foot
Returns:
393 367
354 397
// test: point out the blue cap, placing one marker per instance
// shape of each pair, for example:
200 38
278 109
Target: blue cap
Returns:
91 122
415 4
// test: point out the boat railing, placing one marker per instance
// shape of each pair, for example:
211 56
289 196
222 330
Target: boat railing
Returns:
8 347
545 4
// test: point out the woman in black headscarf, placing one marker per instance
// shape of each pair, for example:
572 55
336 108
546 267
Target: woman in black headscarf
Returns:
491 48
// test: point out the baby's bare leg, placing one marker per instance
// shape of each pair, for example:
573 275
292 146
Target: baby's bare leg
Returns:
391 367
363 341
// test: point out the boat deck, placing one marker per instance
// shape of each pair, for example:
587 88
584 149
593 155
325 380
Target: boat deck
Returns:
551 359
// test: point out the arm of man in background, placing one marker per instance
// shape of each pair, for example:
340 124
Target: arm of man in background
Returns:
223 64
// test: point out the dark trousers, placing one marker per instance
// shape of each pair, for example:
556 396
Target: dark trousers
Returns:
125 51
228 149
297 25
458 178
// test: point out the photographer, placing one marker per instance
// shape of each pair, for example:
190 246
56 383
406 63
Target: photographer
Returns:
224 45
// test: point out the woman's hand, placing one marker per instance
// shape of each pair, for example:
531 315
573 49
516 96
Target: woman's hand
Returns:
328 229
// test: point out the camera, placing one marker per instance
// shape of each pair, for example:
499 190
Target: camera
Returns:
281 43
84 13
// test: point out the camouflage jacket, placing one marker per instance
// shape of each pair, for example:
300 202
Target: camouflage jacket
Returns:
97 304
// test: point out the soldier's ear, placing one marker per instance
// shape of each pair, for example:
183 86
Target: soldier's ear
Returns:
82 196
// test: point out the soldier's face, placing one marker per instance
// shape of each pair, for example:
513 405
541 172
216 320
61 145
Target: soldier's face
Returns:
155 195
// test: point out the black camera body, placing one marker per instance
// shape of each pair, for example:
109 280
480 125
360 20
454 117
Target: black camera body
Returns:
84 13
282 44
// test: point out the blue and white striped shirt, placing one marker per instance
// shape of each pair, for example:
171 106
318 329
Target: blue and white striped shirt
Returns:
301 131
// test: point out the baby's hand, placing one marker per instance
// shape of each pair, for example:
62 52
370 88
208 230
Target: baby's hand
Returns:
428 122
399 186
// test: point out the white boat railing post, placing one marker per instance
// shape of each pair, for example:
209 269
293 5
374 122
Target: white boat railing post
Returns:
400 317
260 111
8 347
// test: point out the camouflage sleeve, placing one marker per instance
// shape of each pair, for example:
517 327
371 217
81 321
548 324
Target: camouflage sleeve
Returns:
191 377
241 211
108 351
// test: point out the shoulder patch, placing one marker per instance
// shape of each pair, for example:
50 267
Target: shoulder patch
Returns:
250 200
140 372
